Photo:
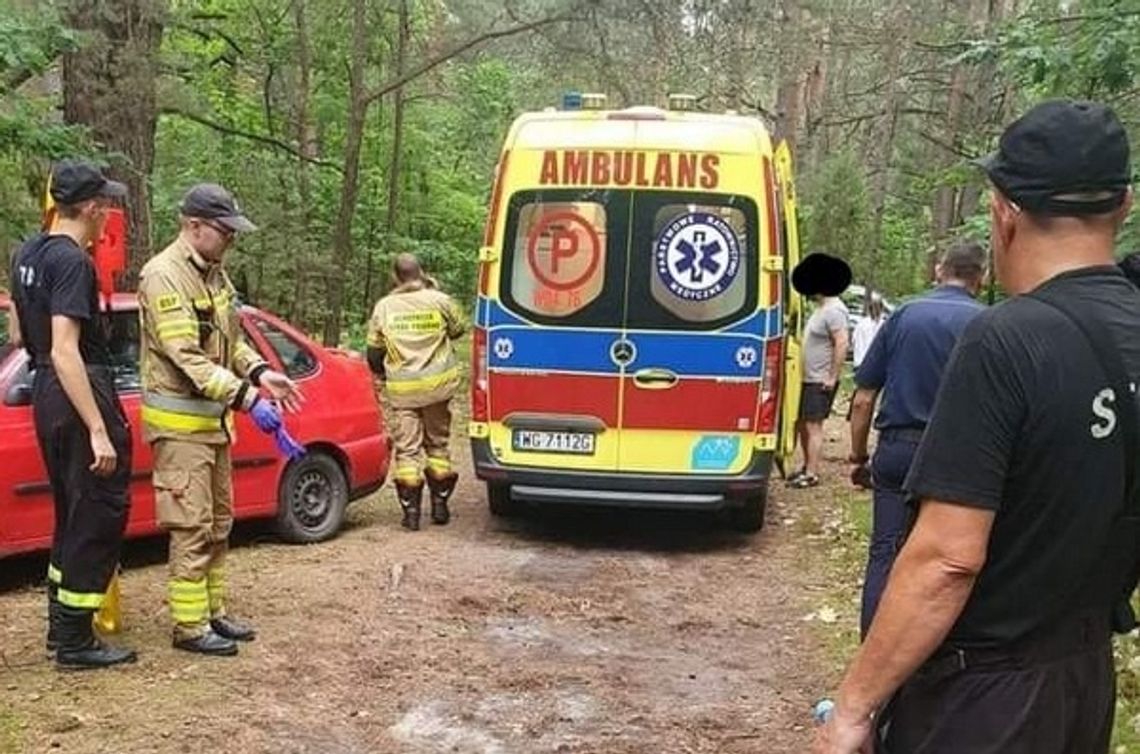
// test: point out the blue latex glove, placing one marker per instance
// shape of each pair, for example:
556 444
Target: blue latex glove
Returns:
265 415
289 447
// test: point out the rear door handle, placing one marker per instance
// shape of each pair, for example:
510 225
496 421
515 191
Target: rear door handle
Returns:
655 379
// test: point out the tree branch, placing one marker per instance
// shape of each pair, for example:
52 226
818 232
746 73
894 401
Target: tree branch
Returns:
268 141
446 55
944 145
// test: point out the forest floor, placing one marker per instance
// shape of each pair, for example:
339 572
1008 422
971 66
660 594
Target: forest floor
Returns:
592 631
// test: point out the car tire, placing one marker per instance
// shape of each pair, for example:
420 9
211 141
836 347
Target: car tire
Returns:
500 502
748 515
313 499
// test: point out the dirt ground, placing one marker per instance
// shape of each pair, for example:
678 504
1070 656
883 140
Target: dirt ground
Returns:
582 631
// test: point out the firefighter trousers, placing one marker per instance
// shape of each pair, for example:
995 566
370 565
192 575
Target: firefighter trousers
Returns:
421 437
193 491
90 511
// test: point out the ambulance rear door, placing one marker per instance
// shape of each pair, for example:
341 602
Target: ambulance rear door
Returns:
554 382
694 331
791 382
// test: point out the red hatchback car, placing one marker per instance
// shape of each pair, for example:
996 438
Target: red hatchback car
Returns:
341 426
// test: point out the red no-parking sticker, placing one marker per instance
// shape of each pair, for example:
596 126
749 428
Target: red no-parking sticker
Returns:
563 250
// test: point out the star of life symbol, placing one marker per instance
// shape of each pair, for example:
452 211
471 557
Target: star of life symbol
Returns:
504 347
745 356
697 256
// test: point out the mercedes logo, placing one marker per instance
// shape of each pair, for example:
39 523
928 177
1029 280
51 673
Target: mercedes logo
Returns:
622 352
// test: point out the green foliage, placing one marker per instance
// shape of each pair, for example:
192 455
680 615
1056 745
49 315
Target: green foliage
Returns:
30 131
837 214
1094 53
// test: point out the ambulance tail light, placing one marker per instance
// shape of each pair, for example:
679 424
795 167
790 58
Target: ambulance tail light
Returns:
480 379
770 387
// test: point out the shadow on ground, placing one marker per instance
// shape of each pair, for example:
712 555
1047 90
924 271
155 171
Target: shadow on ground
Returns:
591 528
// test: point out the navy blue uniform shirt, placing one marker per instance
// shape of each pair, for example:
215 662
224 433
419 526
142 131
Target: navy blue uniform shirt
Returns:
910 351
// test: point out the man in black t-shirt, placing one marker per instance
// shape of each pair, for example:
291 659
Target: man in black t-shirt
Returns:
994 634
80 424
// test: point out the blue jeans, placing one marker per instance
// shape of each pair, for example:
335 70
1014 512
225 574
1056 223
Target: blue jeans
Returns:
889 468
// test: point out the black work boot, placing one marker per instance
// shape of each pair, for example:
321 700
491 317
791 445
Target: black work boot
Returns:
441 489
208 643
79 649
52 642
232 628
410 501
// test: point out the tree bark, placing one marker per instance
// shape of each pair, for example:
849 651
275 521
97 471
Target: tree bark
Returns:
403 33
350 186
790 93
109 87
884 147
306 134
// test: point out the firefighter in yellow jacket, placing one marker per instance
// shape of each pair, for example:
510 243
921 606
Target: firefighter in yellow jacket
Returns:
409 350
196 370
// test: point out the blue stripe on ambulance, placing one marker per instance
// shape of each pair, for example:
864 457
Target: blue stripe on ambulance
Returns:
736 352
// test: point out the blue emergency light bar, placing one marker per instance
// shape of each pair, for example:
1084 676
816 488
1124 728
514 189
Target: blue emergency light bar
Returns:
580 101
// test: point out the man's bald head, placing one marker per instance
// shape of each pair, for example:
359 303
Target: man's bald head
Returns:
406 268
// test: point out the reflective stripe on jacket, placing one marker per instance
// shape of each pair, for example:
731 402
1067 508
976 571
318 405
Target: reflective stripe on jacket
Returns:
194 360
414 326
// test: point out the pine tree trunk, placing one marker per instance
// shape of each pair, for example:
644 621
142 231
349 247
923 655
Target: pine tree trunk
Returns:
350 187
306 135
109 87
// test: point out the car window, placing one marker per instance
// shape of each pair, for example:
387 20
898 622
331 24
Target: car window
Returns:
296 359
123 338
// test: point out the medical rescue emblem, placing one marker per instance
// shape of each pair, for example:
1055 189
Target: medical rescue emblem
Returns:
697 256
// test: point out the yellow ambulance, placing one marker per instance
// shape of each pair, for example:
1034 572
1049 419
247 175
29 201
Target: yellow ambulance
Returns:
636 338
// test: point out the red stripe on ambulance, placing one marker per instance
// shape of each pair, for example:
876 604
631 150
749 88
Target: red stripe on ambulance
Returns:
692 404
557 394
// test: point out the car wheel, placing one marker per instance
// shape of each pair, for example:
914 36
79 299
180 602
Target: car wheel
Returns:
314 495
748 515
499 501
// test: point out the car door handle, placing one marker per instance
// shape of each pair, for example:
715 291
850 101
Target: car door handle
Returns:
655 379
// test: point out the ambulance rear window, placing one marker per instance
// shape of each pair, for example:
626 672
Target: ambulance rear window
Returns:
693 261
563 259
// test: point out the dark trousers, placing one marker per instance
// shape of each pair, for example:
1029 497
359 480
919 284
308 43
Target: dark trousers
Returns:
1055 699
889 468
90 511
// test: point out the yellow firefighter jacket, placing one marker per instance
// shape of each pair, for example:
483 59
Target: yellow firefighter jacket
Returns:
195 363
414 326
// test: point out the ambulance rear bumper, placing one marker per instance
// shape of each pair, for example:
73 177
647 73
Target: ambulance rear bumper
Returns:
551 486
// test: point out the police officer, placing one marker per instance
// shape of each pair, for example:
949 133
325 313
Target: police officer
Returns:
80 425
905 362
409 350
196 370
994 634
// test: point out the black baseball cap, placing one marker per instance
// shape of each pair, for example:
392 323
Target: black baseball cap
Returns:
75 181
209 201
1063 157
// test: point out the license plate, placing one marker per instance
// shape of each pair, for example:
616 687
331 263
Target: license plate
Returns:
541 441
